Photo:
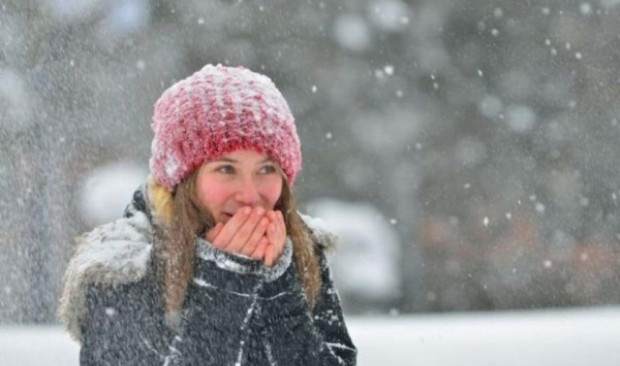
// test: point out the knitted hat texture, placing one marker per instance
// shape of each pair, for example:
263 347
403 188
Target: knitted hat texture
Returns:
215 111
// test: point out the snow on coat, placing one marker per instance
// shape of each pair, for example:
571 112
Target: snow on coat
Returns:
237 311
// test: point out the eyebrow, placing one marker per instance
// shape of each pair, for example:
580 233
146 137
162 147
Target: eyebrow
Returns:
229 160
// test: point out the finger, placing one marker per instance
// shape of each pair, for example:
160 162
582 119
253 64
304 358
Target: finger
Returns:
275 218
214 232
282 224
269 255
274 215
272 232
254 239
259 252
244 233
276 234
231 226
279 238
273 251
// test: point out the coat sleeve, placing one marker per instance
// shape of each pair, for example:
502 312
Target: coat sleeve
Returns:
120 327
294 335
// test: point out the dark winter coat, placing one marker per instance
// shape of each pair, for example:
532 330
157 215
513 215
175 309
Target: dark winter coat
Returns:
236 312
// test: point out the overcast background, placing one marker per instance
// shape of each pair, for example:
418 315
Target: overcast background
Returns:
466 151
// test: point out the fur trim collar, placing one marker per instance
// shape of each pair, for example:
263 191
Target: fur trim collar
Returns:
319 233
112 254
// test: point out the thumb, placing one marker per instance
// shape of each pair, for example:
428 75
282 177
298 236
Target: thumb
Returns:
214 232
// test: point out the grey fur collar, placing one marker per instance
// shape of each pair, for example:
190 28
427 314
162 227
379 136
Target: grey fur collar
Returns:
319 233
112 254
120 252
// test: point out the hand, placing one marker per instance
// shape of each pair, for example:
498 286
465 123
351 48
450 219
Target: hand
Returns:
276 233
244 233
254 233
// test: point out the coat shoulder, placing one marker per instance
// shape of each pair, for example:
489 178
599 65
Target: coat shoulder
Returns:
319 232
111 255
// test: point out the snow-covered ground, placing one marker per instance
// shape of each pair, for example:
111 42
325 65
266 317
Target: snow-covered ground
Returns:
545 338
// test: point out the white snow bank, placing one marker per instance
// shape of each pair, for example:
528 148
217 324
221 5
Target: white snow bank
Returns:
560 337
541 338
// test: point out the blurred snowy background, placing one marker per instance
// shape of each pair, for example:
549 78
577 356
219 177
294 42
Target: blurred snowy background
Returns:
466 151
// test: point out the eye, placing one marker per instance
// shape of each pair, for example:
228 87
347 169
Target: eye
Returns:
225 169
268 169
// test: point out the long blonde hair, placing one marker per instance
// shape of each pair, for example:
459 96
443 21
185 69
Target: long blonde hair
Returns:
178 220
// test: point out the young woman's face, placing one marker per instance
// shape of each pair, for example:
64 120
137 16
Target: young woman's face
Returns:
238 179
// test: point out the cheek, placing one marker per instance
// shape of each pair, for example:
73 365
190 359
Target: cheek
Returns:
272 193
212 196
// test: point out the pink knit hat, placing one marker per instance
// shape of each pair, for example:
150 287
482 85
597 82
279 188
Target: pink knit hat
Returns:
218 110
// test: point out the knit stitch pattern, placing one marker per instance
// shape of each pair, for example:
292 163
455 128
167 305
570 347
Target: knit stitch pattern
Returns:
218 110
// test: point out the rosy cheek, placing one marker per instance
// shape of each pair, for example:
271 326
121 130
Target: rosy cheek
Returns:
274 194
218 195
212 196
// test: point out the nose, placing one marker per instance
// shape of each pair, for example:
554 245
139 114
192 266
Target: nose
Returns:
248 193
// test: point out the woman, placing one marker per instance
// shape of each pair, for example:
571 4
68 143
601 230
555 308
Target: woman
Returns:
211 263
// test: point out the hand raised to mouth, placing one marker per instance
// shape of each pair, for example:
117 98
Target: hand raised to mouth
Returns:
253 232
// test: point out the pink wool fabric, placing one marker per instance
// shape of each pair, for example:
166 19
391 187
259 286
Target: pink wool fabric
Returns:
218 110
